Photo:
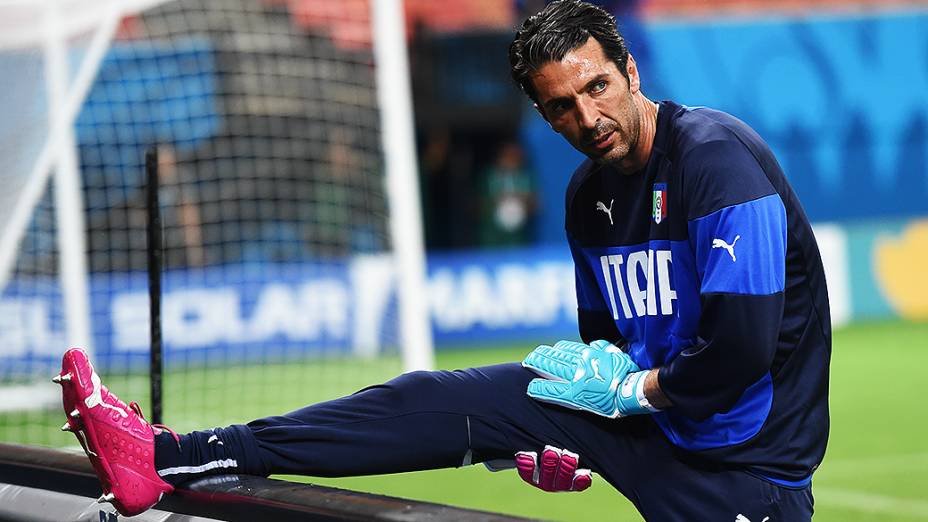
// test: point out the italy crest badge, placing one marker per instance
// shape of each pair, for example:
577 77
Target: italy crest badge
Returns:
659 207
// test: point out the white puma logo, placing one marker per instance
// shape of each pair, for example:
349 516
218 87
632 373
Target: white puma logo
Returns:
602 206
720 243
96 397
742 518
595 364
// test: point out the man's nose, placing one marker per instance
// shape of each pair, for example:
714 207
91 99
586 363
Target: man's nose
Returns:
587 114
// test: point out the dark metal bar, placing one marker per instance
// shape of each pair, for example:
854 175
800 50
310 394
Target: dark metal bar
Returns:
227 497
154 253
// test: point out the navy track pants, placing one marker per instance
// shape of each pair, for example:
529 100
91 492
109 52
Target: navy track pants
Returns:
442 419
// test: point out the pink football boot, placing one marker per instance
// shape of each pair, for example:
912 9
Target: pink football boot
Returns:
118 440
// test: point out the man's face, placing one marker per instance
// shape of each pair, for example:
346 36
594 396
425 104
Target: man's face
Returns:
588 101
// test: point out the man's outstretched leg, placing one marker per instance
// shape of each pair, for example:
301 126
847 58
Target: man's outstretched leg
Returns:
420 420
377 430
417 421
118 440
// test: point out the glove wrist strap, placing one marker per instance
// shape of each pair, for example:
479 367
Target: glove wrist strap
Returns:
632 399
640 395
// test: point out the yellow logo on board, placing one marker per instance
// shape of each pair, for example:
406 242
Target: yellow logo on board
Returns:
901 270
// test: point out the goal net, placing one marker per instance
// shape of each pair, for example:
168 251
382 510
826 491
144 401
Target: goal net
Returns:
293 265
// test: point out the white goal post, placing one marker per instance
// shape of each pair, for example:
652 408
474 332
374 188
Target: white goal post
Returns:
51 55
395 98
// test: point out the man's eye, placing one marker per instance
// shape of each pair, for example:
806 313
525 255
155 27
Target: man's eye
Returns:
599 86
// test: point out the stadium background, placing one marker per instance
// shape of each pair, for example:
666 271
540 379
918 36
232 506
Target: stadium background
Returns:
836 87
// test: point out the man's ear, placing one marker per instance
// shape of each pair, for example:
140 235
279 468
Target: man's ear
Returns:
631 69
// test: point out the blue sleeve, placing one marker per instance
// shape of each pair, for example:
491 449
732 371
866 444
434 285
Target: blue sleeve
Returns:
737 233
594 318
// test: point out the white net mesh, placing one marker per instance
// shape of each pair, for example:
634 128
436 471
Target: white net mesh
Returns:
278 283
37 83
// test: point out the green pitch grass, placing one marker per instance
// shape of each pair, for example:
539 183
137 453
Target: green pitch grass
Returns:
876 467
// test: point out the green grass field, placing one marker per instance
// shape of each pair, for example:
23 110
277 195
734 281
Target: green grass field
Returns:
876 467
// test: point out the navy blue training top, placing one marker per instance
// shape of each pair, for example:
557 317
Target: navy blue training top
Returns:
704 265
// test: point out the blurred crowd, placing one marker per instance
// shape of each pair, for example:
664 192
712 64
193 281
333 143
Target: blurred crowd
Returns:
265 114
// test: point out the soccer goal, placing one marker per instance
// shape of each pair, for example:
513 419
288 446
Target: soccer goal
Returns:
293 265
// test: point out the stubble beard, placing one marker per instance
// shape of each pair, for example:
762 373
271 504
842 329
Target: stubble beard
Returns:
626 143
602 129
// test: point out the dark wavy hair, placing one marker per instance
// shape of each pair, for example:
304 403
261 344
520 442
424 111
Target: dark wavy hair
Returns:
557 29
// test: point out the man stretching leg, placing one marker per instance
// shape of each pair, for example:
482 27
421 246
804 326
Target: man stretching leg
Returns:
701 388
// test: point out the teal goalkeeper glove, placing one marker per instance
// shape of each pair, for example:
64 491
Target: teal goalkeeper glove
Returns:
599 378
